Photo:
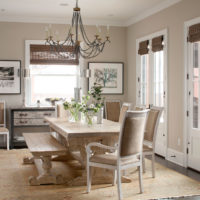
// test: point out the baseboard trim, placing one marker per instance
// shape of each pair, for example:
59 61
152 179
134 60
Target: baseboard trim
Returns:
175 157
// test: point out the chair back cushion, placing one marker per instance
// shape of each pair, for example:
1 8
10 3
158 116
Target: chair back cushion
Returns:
123 112
151 124
61 112
113 110
132 133
2 120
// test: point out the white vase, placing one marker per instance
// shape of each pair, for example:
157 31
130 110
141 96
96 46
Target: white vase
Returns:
100 116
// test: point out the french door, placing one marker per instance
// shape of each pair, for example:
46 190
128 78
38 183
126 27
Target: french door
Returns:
194 106
151 90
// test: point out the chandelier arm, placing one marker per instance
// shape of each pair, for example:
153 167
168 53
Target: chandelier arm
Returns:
87 53
83 32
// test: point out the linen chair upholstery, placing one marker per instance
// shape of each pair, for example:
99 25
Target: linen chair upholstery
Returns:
124 108
150 133
61 112
112 110
2 113
129 149
3 129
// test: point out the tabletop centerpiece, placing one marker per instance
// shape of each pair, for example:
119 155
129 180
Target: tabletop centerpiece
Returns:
90 105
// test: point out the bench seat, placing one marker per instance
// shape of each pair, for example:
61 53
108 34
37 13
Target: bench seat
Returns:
43 144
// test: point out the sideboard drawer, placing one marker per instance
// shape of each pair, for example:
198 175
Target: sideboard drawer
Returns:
33 114
30 122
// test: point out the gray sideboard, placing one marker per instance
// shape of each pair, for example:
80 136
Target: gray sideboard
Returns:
28 119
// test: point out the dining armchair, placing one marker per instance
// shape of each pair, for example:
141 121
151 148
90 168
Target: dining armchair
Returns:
128 151
150 134
112 110
3 129
125 107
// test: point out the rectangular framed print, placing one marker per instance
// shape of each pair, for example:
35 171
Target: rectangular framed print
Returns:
10 76
107 74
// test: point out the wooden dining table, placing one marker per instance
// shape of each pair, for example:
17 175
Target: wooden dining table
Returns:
76 135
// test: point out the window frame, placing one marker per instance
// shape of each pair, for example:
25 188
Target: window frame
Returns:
27 95
149 37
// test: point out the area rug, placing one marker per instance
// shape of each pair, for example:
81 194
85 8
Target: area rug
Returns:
14 183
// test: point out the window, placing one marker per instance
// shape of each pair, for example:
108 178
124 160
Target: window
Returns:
49 81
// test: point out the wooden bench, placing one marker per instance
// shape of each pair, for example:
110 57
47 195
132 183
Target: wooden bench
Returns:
43 146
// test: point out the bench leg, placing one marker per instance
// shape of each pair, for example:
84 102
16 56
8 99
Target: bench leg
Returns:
45 177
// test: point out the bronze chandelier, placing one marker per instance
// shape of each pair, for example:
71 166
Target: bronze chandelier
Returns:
87 49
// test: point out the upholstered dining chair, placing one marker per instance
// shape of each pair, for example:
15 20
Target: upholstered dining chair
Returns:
112 110
125 107
3 129
150 133
128 151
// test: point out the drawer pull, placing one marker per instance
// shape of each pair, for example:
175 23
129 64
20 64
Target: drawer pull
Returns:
47 114
23 122
45 121
23 114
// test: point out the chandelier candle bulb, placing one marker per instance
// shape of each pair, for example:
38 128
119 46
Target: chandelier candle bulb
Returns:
50 30
47 32
57 35
108 29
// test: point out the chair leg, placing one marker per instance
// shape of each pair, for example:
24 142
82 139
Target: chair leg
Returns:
114 177
143 164
88 178
8 142
153 165
140 178
119 184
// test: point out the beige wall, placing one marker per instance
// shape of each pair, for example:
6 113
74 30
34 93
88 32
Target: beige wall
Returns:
12 47
173 19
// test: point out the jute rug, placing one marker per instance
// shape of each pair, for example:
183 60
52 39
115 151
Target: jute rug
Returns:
14 183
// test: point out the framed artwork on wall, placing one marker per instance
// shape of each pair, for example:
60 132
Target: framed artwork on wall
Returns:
10 77
107 74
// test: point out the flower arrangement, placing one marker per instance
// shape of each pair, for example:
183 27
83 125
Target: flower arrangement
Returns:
88 109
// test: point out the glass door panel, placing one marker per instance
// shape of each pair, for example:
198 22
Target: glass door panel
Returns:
144 81
194 107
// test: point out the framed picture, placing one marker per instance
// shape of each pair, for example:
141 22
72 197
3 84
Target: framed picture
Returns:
10 76
107 74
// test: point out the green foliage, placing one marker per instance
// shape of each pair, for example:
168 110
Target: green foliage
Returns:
96 92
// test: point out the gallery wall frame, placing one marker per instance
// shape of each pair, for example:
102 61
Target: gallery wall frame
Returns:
110 75
10 77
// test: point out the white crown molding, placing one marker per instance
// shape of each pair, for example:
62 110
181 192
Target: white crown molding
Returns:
59 21
151 11
120 23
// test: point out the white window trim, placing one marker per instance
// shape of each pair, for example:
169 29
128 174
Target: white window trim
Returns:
150 37
186 89
27 64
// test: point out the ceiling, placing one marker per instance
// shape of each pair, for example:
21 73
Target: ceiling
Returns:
102 12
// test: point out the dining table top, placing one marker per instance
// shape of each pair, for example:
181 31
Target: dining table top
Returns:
79 129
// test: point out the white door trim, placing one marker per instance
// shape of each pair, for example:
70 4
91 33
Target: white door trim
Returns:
186 89
150 37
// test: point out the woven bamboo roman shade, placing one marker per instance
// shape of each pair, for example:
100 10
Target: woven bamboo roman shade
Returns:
143 47
194 33
45 55
157 43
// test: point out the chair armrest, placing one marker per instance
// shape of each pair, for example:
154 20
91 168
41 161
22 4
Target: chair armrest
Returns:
96 144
